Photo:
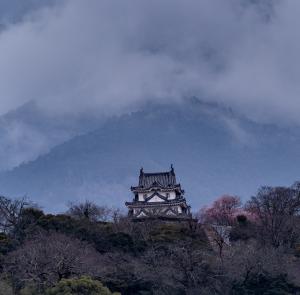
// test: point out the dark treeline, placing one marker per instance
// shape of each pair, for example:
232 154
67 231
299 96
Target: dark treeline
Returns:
230 249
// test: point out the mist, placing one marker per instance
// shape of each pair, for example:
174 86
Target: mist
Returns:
114 57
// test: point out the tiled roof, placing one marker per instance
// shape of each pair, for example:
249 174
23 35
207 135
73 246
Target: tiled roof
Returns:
164 179
137 204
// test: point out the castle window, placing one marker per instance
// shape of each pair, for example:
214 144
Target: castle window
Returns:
168 195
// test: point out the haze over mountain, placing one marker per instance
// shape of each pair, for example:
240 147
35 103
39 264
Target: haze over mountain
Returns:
29 131
213 151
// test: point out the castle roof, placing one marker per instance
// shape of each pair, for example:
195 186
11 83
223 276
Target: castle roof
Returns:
164 179
160 179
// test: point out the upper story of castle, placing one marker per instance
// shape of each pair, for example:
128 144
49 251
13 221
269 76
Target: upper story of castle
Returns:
157 187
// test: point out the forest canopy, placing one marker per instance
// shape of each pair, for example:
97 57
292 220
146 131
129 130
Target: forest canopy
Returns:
226 248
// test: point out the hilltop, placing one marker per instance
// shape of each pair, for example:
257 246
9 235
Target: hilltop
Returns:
102 164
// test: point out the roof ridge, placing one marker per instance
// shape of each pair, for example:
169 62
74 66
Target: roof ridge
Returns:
155 173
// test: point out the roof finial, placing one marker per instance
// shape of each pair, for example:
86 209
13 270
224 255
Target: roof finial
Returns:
172 168
141 171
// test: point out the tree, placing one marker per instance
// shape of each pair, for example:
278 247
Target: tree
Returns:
6 244
10 212
5 288
243 259
243 230
27 222
186 270
219 237
222 212
276 212
80 286
46 258
89 211
264 283
249 268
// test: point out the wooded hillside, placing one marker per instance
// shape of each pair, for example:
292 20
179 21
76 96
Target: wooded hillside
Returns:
231 249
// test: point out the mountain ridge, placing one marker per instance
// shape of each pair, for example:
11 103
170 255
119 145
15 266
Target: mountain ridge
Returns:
102 164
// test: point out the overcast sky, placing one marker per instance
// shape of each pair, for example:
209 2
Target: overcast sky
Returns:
112 56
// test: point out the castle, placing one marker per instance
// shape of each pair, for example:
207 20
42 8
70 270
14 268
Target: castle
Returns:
158 195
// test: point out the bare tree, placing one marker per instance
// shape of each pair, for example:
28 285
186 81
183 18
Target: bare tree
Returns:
245 259
10 212
218 236
117 215
186 270
276 212
90 211
46 258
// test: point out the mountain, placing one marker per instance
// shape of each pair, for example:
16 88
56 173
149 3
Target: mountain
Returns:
213 152
29 131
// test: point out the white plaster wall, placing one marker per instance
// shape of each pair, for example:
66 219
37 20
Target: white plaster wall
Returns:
142 214
172 195
141 197
155 199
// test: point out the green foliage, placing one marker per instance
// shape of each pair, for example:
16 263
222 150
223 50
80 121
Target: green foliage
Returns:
243 230
168 233
27 222
125 281
29 290
121 241
59 222
31 214
5 288
80 286
179 233
265 284
241 219
100 234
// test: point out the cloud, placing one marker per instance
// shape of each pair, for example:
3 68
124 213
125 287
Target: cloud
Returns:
114 56
12 11
239 134
20 142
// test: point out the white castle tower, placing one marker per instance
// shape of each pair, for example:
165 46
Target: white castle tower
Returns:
158 195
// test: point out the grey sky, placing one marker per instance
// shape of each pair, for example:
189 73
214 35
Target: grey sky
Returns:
116 55
13 11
